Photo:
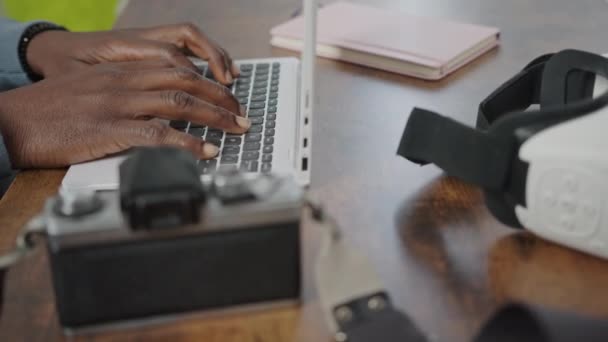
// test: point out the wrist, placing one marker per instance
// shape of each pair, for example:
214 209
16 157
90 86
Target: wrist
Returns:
34 46
38 53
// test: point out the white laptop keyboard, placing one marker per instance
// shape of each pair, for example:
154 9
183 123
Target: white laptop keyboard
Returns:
257 89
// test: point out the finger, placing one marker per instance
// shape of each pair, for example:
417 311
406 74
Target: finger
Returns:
190 82
142 49
179 105
190 37
175 56
234 70
156 133
148 64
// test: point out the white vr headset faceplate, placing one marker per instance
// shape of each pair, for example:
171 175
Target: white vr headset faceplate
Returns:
567 182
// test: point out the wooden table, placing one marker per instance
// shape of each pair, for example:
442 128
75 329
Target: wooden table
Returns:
444 259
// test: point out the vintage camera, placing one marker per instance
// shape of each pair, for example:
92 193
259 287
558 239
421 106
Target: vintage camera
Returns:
167 243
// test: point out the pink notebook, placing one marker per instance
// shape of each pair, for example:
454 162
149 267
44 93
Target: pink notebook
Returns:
427 48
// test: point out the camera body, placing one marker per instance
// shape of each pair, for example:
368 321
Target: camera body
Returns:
110 262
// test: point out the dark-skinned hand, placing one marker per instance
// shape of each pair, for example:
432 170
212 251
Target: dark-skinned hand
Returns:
107 108
54 53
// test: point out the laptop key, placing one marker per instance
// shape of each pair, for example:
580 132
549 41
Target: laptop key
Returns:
253 137
275 76
228 167
270 124
207 166
251 155
242 87
215 142
257 98
266 158
231 149
257 105
272 103
273 96
243 100
255 112
259 91
196 125
268 140
274 89
266 167
246 67
232 140
257 120
261 78
262 66
274 83
214 134
268 149
197 132
249 166
271 117
252 146
253 166
272 110
269 132
243 80
230 159
255 129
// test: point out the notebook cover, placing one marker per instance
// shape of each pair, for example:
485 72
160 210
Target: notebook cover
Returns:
430 42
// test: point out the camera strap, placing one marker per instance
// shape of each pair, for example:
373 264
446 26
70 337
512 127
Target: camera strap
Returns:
358 309
356 306
24 246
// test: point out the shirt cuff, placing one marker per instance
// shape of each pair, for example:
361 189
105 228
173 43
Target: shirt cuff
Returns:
7 174
12 74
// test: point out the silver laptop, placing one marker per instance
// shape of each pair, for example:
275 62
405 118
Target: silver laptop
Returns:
278 94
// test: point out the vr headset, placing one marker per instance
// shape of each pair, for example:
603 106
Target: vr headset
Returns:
544 169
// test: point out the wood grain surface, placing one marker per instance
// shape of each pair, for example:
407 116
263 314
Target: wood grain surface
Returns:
443 258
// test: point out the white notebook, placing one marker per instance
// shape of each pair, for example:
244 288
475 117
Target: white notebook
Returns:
423 47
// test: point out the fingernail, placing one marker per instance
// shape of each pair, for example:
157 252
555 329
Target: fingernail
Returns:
236 70
243 110
228 76
210 150
243 122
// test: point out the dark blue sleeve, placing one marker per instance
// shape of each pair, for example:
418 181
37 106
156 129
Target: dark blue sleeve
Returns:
7 174
11 72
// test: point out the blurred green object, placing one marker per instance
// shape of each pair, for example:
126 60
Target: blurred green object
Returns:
76 15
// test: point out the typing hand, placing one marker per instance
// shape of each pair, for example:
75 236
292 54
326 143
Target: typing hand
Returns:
108 108
57 52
